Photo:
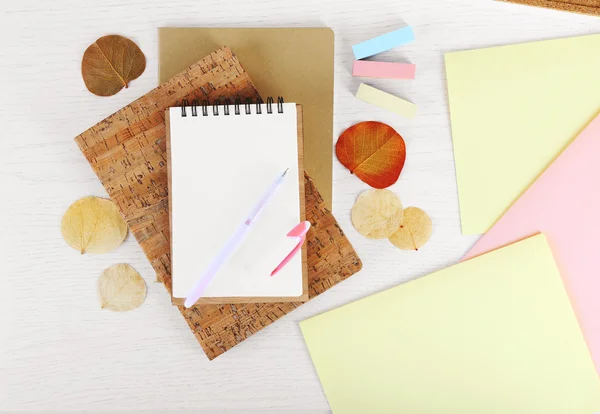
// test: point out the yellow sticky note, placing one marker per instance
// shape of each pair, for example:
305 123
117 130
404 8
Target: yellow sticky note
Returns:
513 110
385 100
493 335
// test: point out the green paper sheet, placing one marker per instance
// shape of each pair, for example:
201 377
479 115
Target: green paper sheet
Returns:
493 335
513 110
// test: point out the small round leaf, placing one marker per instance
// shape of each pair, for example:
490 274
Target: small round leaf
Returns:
110 63
414 231
121 288
377 214
373 151
93 225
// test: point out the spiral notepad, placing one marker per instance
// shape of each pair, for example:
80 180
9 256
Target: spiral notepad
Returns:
222 158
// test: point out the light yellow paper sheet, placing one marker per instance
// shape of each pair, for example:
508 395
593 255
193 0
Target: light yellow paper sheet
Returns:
492 335
513 110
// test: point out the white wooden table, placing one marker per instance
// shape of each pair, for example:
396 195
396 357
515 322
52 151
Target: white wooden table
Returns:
59 351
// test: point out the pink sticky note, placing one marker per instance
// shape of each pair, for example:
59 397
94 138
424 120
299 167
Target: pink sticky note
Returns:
386 70
564 204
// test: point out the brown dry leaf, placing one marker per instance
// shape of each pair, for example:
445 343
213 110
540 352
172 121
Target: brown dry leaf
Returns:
110 63
93 225
415 230
121 288
373 151
377 214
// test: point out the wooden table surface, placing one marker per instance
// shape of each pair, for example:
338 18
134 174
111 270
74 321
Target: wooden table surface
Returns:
59 351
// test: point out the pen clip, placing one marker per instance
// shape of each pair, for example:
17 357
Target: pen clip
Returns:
299 233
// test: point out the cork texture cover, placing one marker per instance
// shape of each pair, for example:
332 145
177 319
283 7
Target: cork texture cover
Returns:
576 6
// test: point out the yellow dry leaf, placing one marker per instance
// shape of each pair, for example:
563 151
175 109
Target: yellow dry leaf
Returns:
121 288
93 225
377 214
415 230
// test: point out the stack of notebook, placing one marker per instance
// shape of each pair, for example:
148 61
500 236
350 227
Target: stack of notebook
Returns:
217 164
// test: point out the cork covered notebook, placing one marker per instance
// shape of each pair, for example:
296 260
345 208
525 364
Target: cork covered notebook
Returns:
575 6
127 151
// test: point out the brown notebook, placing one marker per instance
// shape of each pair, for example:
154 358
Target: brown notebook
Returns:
127 153
296 63
575 6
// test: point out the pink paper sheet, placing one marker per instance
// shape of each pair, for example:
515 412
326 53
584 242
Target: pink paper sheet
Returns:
564 204
371 69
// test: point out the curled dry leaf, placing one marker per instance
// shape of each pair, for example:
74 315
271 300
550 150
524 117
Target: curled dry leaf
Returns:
93 225
414 231
377 214
373 151
121 288
110 63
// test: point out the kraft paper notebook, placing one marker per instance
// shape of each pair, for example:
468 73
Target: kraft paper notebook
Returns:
222 158
127 151
513 109
564 204
296 63
492 335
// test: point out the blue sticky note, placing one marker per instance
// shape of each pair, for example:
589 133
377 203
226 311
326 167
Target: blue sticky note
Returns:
384 42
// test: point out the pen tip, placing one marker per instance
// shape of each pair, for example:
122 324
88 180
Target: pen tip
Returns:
285 172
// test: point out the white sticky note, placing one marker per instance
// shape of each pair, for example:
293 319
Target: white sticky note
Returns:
386 100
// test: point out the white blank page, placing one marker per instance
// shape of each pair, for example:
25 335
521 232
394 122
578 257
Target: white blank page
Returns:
220 168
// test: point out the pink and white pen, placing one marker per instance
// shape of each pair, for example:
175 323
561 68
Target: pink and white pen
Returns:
236 239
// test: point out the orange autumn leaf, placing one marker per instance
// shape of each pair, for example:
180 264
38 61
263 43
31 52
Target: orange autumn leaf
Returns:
373 151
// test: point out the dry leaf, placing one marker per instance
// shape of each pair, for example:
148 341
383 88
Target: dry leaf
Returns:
93 225
121 288
415 230
373 151
110 63
377 214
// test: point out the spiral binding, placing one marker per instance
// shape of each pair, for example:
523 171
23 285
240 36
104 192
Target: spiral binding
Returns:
226 103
